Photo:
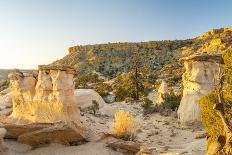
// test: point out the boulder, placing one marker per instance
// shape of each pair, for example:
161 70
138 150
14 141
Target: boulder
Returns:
110 98
201 76
85 97
67 134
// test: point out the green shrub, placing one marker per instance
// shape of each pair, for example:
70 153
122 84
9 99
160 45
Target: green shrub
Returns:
146 103
227 56
171 100
95 106
209 116
121 94
103 89
125 86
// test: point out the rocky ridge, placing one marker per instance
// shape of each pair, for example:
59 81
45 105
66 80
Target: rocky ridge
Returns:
160 56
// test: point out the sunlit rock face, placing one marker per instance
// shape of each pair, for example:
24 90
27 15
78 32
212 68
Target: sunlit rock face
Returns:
45 109
201 76
49 98
163 89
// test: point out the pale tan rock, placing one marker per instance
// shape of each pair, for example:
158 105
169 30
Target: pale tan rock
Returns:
66 134
41 104
48 100
86 96
5 91
200 77
3 148
5 103
163 89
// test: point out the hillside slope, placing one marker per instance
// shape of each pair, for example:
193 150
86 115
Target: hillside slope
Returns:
160 56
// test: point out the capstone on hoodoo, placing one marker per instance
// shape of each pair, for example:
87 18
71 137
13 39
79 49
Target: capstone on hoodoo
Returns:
201 75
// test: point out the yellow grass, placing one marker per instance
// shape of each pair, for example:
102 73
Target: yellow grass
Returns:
124 124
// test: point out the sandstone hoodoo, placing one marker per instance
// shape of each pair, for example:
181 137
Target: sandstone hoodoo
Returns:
201 75
45 105
163 89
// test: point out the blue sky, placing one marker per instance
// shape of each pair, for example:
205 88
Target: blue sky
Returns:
34 32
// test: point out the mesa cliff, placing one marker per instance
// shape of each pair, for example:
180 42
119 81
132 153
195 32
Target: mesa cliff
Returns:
160 56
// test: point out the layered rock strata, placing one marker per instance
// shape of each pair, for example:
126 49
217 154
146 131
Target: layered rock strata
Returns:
46 105
201 75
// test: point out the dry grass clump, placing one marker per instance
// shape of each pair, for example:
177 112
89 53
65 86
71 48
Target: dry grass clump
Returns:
124 125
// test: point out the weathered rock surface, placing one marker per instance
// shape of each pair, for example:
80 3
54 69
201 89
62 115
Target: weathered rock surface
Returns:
5 91
49 100
110 98
163 89
86 96
201 76
45 109
67 134
5 101
3 148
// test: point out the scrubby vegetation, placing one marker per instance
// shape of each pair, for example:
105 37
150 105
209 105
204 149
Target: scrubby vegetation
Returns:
124 125
146 103
171 100
217 111
95 106
160 56
126 86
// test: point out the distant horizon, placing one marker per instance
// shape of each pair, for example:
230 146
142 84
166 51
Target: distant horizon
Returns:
39 32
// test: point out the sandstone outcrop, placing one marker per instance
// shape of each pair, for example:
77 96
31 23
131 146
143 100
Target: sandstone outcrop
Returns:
41 104
49 99
86 96
3 148
163 89
5 91
201 76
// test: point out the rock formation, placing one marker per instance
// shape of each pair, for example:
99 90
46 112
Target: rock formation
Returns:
201 76
44 107
86 96
163 89
3 148
49 100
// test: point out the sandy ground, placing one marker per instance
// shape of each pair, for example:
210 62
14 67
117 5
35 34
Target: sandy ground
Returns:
162 134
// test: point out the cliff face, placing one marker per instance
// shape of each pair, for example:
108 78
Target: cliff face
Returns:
48 99
160 56
201 76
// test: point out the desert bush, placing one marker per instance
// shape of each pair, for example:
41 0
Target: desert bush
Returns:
103 89
171 100
95 106
209 117
83 80
227 56
216 130
124 125
212 121
146 103
125 86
